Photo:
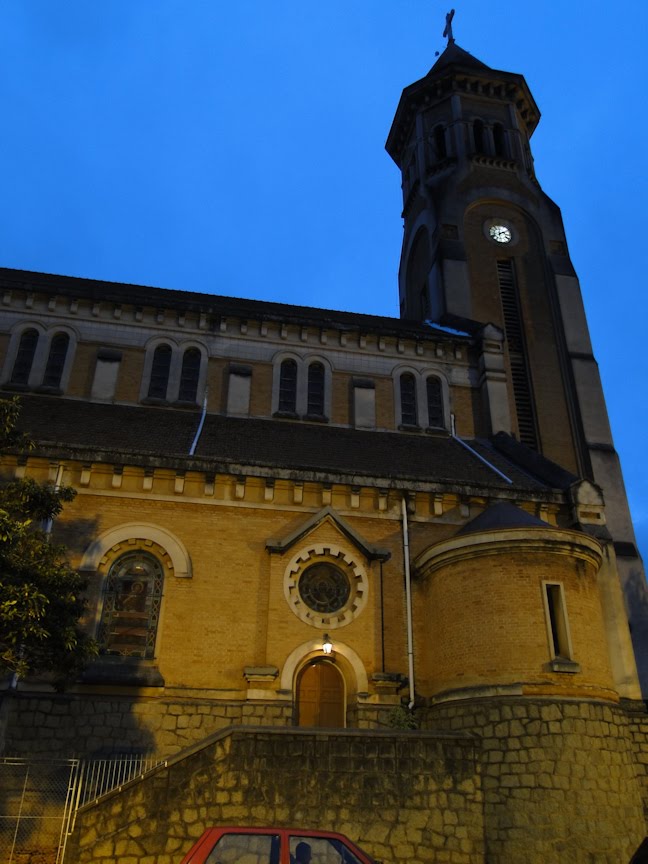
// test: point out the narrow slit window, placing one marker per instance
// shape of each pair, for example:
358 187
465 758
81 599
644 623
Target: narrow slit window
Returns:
56 360
24 357
408 400
435 403
557 621
499 140
440 142
316 389
478 135
160 367
515 337
288 387
189 375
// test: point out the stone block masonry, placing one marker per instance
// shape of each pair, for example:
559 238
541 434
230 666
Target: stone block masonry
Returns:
404 796
560 778
108 726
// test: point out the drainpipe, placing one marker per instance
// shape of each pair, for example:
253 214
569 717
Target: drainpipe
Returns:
47 526
408 604
200 425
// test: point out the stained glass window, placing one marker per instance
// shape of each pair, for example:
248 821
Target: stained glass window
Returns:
324 587
408 400
189 375
131 608
24 357
435 402
288 386
56 360
315 389
160 372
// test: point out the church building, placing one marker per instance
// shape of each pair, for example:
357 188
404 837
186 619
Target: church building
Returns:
303 519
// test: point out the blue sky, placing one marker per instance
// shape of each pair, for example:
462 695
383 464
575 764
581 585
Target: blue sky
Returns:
238 148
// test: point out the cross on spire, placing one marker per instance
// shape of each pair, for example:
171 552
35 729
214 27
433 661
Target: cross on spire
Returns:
448 28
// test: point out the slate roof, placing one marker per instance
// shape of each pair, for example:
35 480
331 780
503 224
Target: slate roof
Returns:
453 54
216 305
501 516
163 436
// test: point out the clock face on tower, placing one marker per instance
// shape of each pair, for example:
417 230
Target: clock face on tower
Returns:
500 233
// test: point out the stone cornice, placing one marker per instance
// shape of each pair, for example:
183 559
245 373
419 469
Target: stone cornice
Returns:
510 541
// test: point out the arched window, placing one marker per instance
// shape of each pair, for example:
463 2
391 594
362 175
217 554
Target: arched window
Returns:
189 375
131 607
24 357
408 399
56 360
499 140
315 403
440 142
288 387
435 402
478 135
159 380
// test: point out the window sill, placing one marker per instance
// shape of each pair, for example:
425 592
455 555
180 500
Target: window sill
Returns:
185 403
127 671
317 418
50 391
286 415
562 664
154 400
436 430
407 427
19 388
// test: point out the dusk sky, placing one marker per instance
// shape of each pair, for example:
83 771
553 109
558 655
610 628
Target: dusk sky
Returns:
238 148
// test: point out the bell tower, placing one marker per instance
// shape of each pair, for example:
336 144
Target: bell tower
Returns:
484 245
484 250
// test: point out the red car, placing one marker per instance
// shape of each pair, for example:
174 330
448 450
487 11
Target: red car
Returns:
274 846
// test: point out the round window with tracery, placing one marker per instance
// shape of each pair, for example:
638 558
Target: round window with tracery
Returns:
325 586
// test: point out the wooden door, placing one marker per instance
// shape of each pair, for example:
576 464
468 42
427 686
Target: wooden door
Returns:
320 695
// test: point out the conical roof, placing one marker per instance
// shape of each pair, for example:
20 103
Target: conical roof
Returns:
502 516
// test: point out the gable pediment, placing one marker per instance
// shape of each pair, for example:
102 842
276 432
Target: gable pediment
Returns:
330 516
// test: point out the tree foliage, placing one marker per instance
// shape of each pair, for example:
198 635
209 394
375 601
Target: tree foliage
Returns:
41 596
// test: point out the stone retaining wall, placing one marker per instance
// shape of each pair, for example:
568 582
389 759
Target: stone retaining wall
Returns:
559 779
94 725
637 720
412 797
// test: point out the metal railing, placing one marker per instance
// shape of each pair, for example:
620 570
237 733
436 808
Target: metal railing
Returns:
100 776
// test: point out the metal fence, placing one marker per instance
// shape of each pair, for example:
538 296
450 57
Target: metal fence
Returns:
36 800
39 799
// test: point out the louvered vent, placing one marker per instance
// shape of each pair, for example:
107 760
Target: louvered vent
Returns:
517 354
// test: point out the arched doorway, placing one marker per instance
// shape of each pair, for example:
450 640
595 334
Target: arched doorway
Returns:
320 695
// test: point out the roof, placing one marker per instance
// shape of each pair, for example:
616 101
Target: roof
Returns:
456 65
214 305
145 435
454 55
501 516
